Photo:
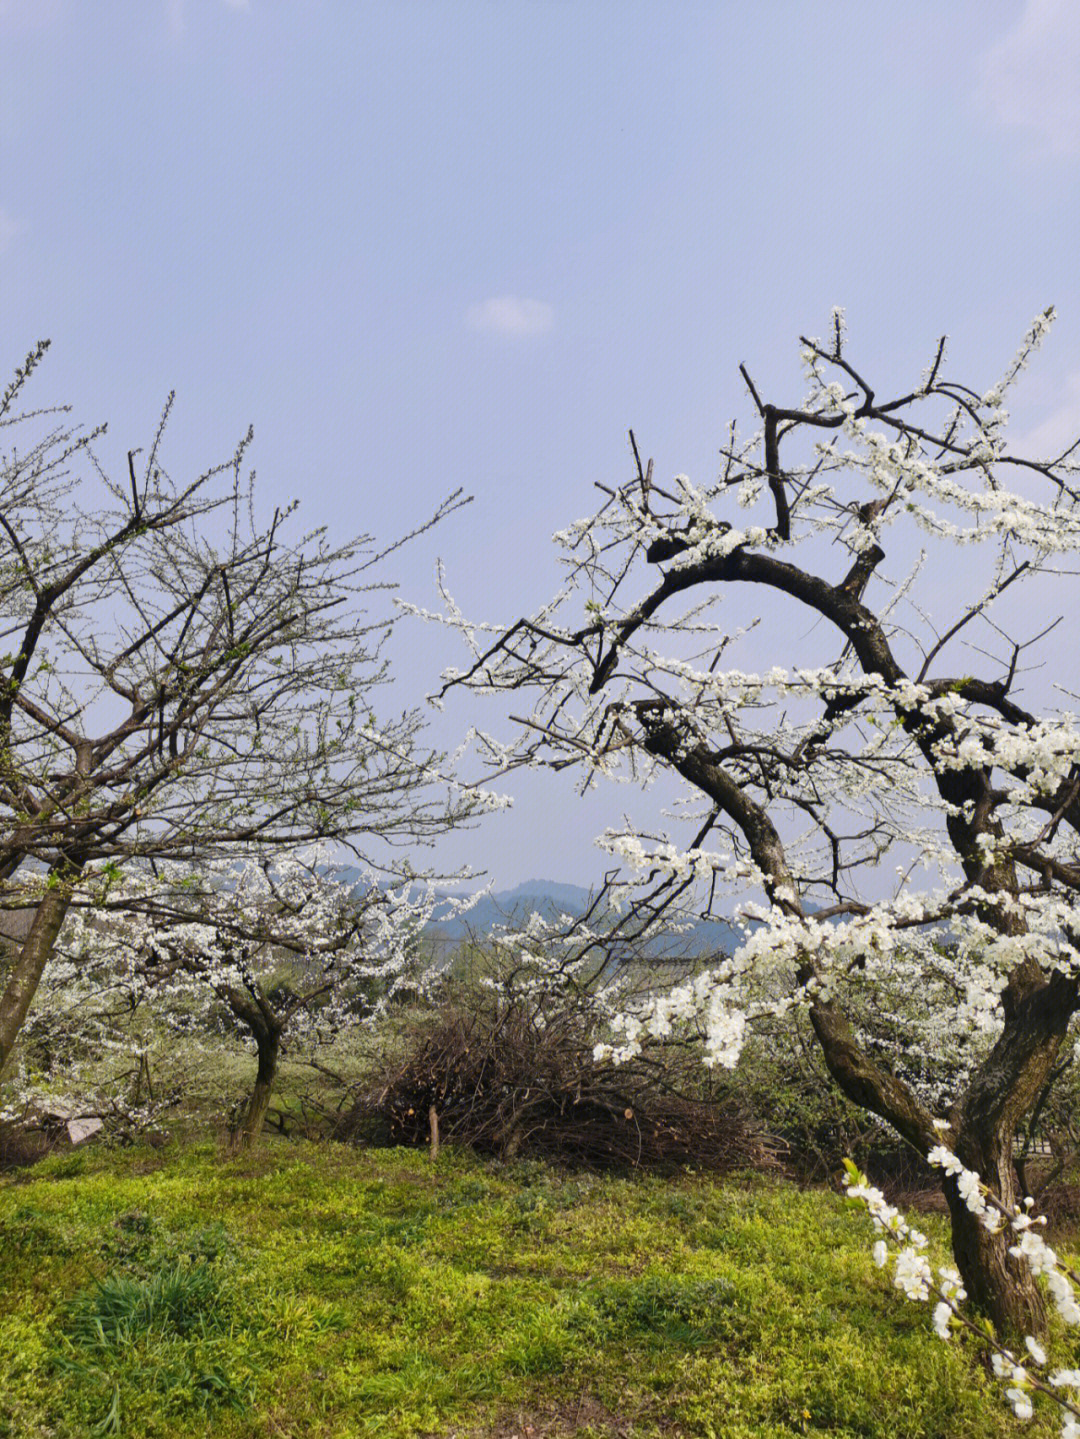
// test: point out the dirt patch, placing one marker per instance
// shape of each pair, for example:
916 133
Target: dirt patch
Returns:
923 1200
1060 1203
20 1148
583 1415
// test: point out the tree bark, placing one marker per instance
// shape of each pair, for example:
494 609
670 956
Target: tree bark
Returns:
1001 1288
267 1029
1002 1091
25 972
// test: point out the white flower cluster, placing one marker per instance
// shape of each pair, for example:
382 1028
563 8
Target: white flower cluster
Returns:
1045 753
911 1272
707 999
913 1275
681 864
1037 332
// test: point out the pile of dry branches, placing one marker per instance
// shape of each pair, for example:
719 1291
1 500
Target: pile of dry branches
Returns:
512 1080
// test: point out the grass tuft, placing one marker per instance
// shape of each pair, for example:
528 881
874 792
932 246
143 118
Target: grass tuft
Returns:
121 1310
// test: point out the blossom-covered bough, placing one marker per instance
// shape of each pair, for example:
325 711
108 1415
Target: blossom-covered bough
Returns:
901 788
1027 1375
181 682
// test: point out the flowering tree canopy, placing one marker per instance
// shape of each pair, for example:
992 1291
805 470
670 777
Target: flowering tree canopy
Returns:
181 682
280 944
905 811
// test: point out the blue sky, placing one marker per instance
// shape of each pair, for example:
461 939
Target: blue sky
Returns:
427 245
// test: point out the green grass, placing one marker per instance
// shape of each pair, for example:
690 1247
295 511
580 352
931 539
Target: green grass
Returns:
322 1291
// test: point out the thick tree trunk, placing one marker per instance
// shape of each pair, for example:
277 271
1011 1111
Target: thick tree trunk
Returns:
267 1029
268 1040
1001 1092
24 974
1000 1287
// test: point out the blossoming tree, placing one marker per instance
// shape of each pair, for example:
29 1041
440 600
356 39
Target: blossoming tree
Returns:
280 944
182 682
889 791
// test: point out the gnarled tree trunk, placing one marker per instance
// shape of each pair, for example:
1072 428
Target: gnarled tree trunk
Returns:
1000 1287
1000 1093
267 1029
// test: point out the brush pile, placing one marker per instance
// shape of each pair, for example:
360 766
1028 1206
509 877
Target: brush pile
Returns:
517 1079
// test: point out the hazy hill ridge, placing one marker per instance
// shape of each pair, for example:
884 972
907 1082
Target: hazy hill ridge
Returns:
549 898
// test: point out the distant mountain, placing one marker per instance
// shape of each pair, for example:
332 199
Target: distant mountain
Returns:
551 899
510 907
571 897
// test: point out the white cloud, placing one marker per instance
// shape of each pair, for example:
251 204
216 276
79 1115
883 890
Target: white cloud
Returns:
1029 78
512 315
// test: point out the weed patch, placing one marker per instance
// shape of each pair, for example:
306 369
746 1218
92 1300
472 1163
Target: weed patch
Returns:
378 1293
160 1332
664 1309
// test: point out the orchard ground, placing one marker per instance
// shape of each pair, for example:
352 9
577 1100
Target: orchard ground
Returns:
317 1289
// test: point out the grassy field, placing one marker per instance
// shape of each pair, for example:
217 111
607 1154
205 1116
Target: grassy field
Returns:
315 1291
